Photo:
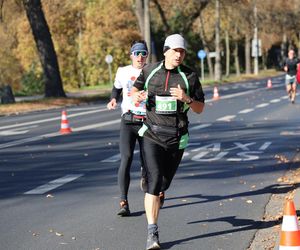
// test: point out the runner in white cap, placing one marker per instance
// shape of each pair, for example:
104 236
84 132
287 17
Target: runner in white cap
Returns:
172 90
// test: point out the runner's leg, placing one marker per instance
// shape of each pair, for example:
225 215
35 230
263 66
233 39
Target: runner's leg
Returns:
127 144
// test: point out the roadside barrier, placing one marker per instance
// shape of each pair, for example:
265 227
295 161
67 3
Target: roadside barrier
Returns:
64 127
290 234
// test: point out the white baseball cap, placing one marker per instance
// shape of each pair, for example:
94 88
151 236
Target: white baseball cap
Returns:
174 41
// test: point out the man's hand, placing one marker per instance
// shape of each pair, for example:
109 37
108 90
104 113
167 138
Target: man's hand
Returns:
139 96
179 94
112 104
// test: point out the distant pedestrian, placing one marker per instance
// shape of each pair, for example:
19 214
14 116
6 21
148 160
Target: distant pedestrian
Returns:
132 118
172 89
290 67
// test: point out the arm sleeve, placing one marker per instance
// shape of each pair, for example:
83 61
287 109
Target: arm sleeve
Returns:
196 91
115 93
140 81
117 88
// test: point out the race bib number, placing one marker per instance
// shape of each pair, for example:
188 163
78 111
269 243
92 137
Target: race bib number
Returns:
165 105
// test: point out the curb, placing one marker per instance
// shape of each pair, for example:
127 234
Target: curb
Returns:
268 237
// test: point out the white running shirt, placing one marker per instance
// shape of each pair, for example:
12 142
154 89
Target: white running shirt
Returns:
124 79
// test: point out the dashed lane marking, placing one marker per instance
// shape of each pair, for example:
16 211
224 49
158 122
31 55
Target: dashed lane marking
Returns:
262 105
226 118
245 111
205 125
275 100
54 184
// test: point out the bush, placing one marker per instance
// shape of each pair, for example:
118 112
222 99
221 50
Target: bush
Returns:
32 82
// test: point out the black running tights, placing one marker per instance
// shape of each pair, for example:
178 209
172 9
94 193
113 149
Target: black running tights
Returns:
128 137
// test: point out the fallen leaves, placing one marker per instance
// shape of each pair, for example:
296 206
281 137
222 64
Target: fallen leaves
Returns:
281 158
59 234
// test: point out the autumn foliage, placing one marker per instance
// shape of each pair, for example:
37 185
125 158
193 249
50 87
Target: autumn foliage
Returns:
85 31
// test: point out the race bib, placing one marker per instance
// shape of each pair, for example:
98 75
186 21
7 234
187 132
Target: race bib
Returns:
165 105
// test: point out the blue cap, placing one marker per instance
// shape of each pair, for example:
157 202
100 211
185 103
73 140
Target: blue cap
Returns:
138 46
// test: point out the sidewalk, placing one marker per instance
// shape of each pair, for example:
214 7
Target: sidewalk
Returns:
268 236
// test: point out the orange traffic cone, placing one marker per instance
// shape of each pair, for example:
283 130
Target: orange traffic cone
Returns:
65 128
290 234
216 93
269 84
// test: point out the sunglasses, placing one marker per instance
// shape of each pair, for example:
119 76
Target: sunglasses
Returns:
136 53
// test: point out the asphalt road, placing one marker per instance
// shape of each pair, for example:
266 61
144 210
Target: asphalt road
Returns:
60 191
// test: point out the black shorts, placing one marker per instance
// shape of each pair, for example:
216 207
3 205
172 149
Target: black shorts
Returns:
161 165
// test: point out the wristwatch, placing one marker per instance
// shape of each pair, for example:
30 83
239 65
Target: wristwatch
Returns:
190 101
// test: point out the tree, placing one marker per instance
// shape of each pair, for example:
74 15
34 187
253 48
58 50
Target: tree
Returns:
218 66
206 47
45 47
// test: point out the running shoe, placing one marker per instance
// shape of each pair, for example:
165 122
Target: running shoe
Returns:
161 198
124 208
153 241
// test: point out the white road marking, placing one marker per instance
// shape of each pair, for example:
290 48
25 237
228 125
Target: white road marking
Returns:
289 133
22 141
51 119
116 157
245 111
265 145
93 126
205 125
262 105
275 100
40 137
17 131
226 118
54 184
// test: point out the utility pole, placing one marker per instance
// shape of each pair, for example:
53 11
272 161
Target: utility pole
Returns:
256 45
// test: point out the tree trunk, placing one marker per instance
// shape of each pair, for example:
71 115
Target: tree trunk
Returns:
236 59
45 47
147 30
164 20
298 45
236 53
283 48
139 12
206 48
227 53
247 54
264 60
218 67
